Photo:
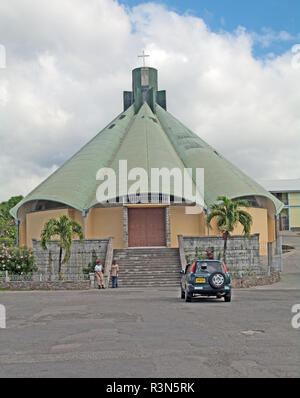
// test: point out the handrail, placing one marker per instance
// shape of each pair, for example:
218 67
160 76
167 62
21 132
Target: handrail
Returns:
182 253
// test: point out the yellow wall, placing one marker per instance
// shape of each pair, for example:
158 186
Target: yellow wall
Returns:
262 225
213 229
259 226
271 229
185 224
195 225
35 223
100 223
294 199
106 223
295 217
76 215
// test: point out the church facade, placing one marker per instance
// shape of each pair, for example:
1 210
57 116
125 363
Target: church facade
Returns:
147 137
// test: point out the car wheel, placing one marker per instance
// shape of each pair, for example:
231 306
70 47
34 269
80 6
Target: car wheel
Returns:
188 297
227 298
217 280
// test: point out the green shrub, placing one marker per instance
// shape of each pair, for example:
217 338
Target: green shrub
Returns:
89 269
7 242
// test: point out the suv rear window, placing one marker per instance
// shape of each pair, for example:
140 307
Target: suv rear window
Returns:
212 266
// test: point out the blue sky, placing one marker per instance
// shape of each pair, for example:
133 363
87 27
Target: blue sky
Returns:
259 16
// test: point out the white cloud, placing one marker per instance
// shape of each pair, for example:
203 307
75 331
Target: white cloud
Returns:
269 36
20 176
68 62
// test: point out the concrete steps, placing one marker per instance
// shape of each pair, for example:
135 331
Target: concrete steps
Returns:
148 267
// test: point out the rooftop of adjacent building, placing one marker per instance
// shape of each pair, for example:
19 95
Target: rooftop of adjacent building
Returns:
289 185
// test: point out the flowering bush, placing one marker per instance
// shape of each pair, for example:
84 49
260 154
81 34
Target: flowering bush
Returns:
16 260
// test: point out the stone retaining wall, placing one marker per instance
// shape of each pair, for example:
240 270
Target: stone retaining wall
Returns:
58 285
251 281
236 283
81 255
242 253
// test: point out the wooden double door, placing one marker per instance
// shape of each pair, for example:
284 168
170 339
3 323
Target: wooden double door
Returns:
146 227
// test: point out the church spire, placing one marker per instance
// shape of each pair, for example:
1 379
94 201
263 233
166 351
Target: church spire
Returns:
144 89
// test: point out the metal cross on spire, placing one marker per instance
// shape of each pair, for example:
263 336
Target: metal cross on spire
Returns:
143 56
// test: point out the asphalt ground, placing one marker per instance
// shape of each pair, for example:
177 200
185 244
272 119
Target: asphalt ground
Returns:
149 333
153 333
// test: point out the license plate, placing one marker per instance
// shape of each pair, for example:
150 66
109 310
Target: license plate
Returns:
200 280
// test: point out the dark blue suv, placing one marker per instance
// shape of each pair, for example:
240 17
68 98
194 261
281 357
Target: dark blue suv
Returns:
205 278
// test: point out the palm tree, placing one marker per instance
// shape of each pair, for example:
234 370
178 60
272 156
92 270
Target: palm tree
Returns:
228 215
65 229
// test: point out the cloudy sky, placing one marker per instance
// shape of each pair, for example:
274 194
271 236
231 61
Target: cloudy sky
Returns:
234 83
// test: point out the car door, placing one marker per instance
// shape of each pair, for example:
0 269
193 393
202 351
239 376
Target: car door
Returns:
186 276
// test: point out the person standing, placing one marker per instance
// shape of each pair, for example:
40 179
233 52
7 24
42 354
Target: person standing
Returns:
99 274
114 274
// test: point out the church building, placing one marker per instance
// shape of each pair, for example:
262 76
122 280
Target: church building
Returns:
148 137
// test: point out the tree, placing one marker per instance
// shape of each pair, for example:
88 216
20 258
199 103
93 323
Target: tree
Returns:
64 229
229 214
8 230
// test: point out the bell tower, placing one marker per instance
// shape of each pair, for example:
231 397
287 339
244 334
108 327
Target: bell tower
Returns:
144 89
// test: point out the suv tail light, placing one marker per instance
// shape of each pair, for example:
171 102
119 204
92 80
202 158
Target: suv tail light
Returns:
226 270
193 268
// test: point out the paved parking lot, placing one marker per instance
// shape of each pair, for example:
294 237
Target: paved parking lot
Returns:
153 333
135 333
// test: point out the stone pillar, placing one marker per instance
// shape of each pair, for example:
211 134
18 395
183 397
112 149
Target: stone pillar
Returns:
168 230
289 212
125 226
18 233
208 227
270 255
83 223
279 248
92 280
277 233
182 252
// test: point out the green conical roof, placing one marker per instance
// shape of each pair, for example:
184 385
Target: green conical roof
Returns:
222 178
148 137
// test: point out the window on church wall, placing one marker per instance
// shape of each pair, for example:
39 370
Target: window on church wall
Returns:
283 197
145 77
43 205
252 201
284 220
